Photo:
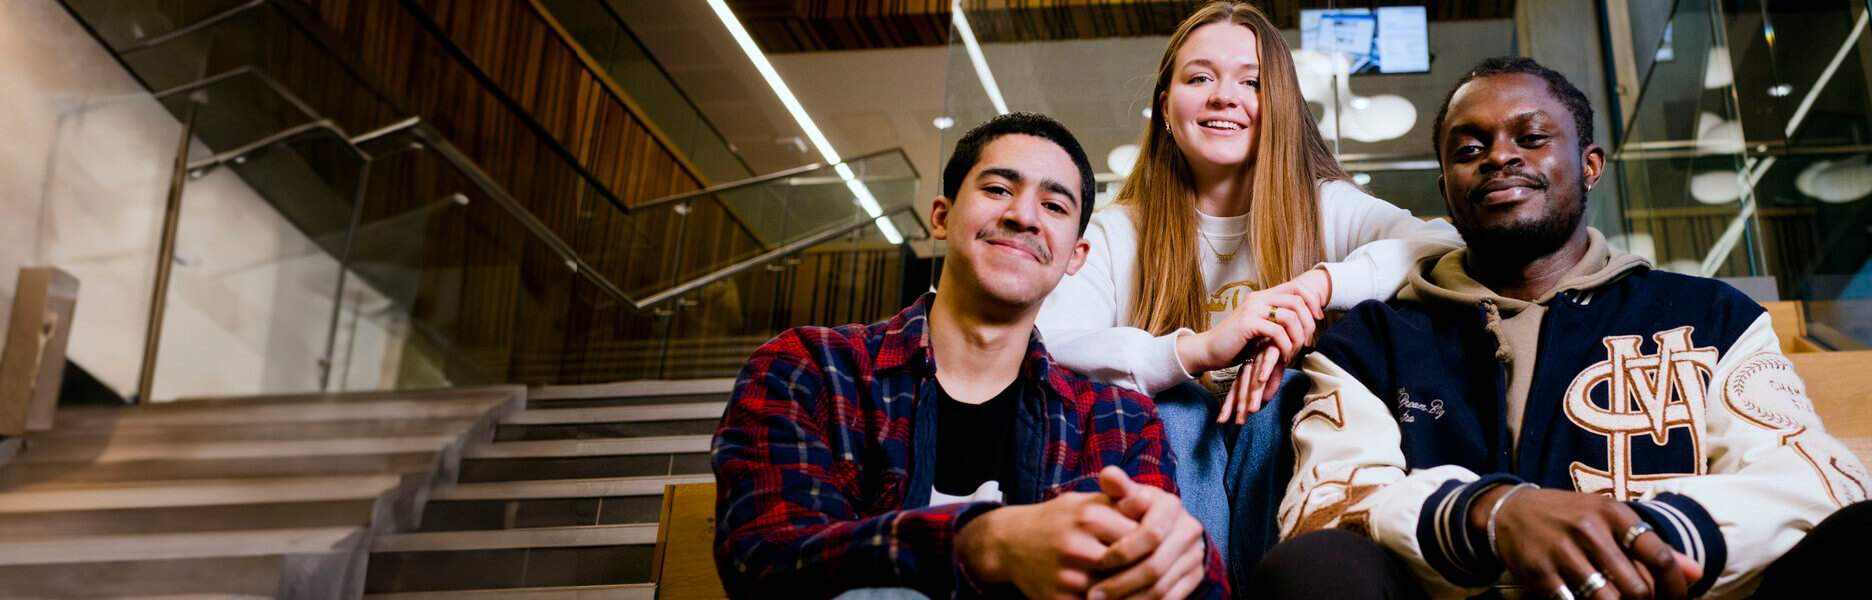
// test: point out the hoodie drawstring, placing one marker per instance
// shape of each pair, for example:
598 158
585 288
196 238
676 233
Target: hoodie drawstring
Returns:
1503 354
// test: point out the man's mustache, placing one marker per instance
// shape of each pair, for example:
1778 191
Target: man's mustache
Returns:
1026 240
1504 179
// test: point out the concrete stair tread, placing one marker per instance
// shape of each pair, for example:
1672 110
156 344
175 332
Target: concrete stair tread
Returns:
626 591
590 447
39 441
197 493
565 488
172 546
110 418
618 414
531 537
213 450
626 389
429 395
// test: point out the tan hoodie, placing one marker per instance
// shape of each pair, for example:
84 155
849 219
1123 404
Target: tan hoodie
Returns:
1515 323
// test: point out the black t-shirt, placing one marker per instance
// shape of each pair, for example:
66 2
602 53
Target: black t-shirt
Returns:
975 442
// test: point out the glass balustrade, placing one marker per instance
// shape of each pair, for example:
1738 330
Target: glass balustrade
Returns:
601 32
1747 154
327 241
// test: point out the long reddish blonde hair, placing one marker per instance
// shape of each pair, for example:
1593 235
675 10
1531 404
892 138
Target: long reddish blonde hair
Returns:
1291 160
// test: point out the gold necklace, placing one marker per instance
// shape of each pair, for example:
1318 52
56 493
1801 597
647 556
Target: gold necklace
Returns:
1221 257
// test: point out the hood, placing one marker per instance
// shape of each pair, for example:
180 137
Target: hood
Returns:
1444 280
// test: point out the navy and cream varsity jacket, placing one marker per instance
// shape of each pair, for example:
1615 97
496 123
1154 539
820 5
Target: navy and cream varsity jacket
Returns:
1663 390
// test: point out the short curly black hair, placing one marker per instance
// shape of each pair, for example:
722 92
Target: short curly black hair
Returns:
968 152
1557 84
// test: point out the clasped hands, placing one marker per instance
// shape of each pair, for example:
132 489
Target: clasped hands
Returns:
1560 544
1267 330
1128 540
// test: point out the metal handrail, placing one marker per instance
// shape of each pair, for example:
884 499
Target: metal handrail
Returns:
763 258
191 28
487 185
780 174
277 137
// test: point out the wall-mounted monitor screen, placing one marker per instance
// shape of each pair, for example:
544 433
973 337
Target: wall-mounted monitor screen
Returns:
1389 39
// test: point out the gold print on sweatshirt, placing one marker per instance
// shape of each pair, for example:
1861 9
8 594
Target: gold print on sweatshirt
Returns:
1229 296
1648 395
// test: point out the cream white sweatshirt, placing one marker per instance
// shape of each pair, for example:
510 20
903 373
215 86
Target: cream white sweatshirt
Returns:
1370 246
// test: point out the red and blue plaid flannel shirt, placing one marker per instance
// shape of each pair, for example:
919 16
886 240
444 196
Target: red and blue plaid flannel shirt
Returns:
824 460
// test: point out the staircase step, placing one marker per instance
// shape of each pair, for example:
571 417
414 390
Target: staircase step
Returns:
600 431
201 450
169 546
470 515
628 591
190 519
97 440
632 389
565 488
243 460
504 539
582 467
513 558
323 562
94 419
618 414
30 500
604 447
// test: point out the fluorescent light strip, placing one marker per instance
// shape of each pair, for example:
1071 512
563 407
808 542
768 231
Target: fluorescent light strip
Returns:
863 194
976 58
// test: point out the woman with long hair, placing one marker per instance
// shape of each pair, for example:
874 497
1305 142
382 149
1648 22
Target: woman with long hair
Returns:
1233 234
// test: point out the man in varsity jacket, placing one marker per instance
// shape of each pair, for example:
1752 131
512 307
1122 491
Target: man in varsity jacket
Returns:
1545 415
944 451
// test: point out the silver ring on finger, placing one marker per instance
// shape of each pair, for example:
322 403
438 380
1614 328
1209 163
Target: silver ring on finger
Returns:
1561 593
1631 535
1592 585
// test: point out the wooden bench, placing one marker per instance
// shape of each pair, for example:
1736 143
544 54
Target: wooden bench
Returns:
684 567
1840 385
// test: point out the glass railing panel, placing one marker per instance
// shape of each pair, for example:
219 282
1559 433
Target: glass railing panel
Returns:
100 218
236 110
262 45
477 296
785 211
252 287
598 29
846 280
1681 164
124 23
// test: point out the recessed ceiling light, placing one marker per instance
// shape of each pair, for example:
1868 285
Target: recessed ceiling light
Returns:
1780 90
1147 112
944 122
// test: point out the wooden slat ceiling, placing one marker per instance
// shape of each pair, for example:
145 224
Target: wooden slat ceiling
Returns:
815 25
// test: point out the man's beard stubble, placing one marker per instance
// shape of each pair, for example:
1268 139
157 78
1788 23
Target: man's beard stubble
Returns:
1523 241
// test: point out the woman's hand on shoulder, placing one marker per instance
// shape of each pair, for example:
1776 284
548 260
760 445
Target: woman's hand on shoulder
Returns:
1313 286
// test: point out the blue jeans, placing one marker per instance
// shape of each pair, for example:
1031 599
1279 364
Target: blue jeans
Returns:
1251 462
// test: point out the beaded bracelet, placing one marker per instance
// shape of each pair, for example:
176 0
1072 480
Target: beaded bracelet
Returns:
1493 510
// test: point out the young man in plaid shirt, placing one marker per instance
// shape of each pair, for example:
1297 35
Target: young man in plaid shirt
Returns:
943 451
